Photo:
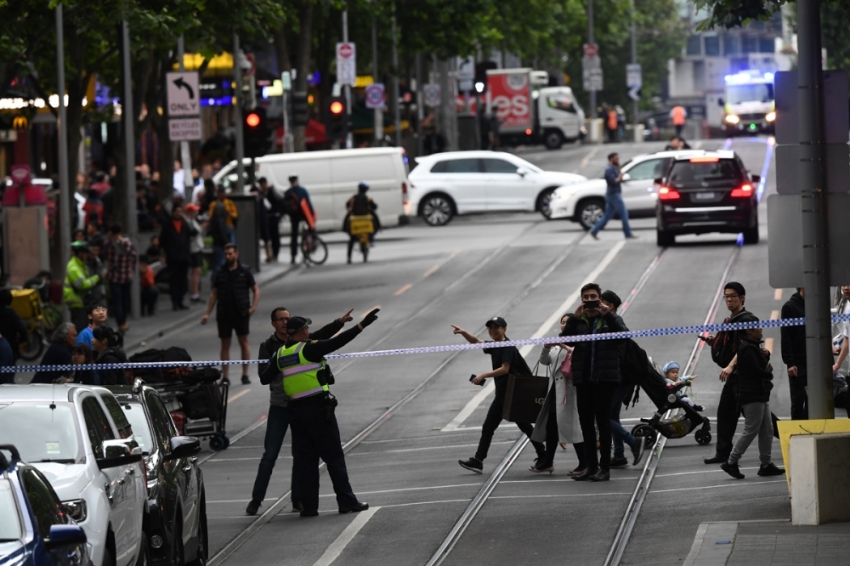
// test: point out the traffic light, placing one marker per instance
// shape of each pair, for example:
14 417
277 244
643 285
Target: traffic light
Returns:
256 132
336 118
299 108
481 69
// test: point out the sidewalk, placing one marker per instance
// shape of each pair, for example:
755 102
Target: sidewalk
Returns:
770 543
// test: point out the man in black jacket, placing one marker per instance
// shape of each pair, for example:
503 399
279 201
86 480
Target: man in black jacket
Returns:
596 374
277 422
794 355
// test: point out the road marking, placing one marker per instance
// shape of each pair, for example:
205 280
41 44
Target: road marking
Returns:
454 254
430 271
768 344
238 395
479 398
403 290
586 160
427 503
774 315
777 295
736 484
337 546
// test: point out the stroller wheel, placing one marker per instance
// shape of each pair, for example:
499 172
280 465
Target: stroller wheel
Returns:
646 432
702 437
218 443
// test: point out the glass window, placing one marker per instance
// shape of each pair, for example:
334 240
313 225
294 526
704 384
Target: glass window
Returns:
687 173
767 45
736 94
712 46
40 433
97 425
731 45
46 507
10 526
649 169
749 44
694 45
560 102
462 166
160 420
135 413
118 417
499 166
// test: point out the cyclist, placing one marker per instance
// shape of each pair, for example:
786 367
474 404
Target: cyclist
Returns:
361 205
297 205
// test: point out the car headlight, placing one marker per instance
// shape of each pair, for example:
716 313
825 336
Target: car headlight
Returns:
732 119
77 509
770 117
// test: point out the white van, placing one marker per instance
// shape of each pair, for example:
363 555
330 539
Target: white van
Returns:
331 177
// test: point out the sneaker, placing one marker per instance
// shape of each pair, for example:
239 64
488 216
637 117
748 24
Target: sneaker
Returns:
472 465
594 236
601 475
637 451
253 507
297 506
619 463
245 380
770 470
732 469
632 237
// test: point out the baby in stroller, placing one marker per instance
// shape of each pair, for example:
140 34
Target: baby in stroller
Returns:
671 374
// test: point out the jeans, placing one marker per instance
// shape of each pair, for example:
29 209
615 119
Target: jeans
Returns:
494 418
594 405
727 417
799 398
613 204
620 434
121 298
276 426
757 422
314 436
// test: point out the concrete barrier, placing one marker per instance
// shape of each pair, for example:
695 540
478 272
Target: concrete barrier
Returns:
820 478
595 131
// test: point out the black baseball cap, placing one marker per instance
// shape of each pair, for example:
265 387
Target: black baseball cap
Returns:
496 321
611 297
297 324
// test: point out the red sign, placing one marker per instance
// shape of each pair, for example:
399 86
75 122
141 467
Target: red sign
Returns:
345 50
21 175
591 50
510 96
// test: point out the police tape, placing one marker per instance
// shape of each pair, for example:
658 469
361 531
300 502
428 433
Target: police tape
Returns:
648 333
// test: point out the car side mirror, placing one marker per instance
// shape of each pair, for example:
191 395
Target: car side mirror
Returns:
721 102
521 172
65 535
183 447
755 178
118 453
627 177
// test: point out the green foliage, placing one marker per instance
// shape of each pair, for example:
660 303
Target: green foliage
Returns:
736 13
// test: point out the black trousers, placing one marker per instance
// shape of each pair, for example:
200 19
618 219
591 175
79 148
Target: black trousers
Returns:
274 234
799 397
594 406
178 281
727 417
492 421
294 221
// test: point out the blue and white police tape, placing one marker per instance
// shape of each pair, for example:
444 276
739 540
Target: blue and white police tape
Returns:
648 333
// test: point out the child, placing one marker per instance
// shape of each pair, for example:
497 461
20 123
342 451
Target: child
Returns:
671 373
504 361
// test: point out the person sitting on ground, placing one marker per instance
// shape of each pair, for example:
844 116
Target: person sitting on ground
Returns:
108 343
671 374
96 313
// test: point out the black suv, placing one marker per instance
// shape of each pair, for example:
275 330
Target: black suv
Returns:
176 518
707 193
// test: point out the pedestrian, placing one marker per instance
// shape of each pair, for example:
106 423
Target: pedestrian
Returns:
794 355
755 381
679 116
505 361
297 205
94 206
82 355
613 198
179 179
677 143
220 228
148 288
57 354
277 421
225 208
315 432
360 205
78 283
196 251
97 313
6 360
724 349
154 251
621 122
842 329
274 213
671 374
611 124
176 241
263 221
596 374
107 344
620 435
121 259
12 327
558 421
231 291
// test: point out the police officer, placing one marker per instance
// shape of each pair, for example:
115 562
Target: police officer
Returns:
315 433
78 284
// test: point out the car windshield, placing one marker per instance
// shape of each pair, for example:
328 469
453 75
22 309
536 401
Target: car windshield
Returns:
10 526
705 173
41 433
738 94
139 422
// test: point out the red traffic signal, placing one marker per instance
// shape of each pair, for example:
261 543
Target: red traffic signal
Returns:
337 107
252 120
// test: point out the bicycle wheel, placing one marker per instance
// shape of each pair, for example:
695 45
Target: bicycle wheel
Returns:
31 350
317 253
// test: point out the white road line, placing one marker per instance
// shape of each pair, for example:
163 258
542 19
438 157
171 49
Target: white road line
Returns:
590 156
427 503
337 546
479 398
735 484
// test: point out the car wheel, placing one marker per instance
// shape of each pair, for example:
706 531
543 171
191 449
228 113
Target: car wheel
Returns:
553 140
664 238
751 235
543 202
436 210
589 212
202 555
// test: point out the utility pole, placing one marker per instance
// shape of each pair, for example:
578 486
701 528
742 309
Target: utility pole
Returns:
237 117
634 62
285 83
814 206
394 94
420 113
349 138
590 39
185 154
62 132
378 123
129 116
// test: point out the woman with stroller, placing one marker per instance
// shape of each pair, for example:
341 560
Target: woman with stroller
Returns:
107 343
558 420
755 380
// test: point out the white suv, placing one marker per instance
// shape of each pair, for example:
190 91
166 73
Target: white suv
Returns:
460 182
71 434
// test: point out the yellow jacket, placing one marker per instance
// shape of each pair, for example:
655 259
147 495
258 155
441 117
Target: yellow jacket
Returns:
230 207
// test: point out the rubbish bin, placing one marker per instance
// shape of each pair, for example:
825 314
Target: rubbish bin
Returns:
638 129
594 130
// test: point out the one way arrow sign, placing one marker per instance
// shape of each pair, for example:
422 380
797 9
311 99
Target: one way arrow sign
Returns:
182 94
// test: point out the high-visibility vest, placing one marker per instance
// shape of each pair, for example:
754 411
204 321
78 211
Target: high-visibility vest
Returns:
77 283
300 376
678 116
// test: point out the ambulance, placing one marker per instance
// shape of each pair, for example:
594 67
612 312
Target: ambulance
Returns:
748 103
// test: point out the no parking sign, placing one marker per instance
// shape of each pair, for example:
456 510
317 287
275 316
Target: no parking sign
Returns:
375 95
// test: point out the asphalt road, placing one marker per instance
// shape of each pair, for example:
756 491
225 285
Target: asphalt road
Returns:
523 268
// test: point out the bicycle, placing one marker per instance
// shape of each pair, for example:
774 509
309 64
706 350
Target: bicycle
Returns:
313 248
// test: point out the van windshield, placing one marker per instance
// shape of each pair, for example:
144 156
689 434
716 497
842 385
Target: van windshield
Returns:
41 433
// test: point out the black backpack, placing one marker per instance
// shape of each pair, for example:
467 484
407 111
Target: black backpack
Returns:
725 347
291 202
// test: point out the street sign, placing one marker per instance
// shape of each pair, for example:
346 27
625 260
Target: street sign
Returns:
634 80
183 94
465 85
591 68
465 69
375 95
592 79
591 50
184 129
346 64
286 80
431 94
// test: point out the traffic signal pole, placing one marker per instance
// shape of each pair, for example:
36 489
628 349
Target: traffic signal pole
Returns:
394 94
349 141
237 115
127 112
591 40
185 154
62 132
378 123
634 62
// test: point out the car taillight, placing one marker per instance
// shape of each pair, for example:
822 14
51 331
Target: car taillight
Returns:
744 191
404 188
666 193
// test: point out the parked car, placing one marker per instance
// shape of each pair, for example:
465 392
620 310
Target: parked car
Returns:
707 193
176 516
585 202
462 182
69 433
35 528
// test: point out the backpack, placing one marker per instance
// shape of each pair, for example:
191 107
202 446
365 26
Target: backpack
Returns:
291 202
634 364
360 205
725 347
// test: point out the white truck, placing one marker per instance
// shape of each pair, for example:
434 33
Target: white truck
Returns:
748 103
531 113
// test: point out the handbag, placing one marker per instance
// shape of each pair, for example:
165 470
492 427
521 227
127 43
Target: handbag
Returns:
524 396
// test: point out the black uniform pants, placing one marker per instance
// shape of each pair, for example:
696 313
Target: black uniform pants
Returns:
274 234
494 418
799 398
178 281
594 406
727 417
